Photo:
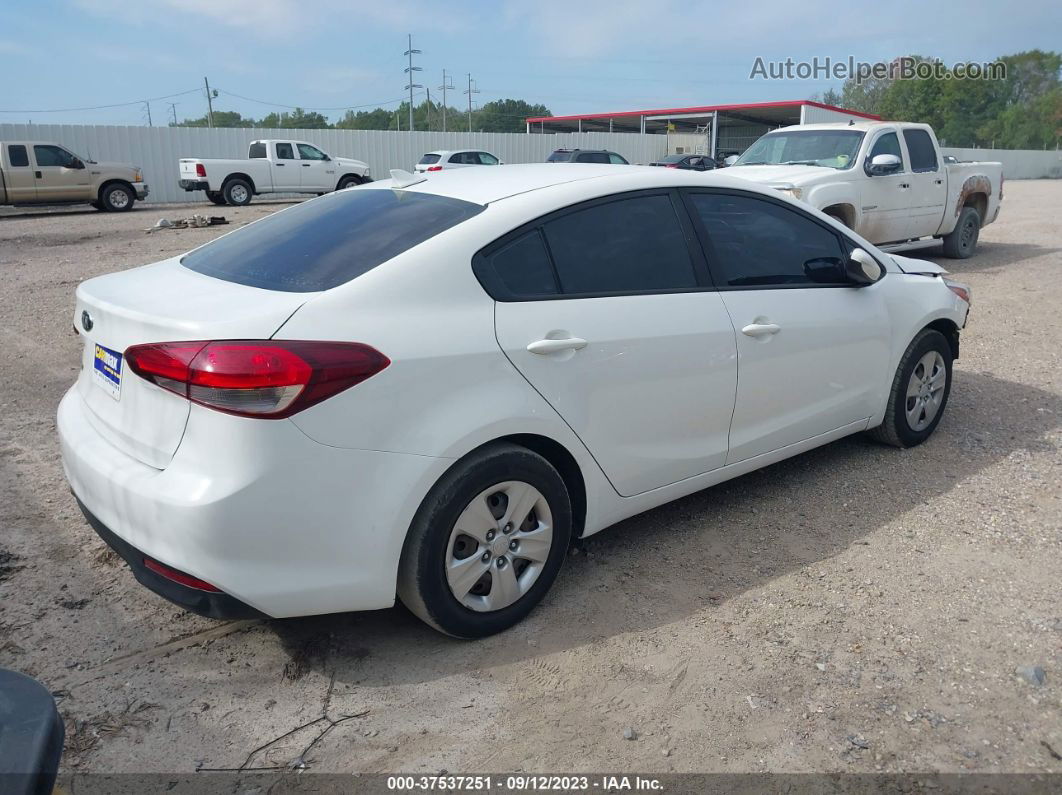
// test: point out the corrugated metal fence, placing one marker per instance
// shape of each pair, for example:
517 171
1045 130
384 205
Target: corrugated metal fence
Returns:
157 149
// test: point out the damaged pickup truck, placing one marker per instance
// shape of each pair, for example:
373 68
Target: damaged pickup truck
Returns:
887 181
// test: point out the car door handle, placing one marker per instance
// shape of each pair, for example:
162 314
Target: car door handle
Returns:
905 185
278 165
305 165
938 181
544 347
37 174
760 329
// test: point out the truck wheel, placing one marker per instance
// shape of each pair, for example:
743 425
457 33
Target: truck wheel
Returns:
117 198
237 192
215 197
349 181
962 240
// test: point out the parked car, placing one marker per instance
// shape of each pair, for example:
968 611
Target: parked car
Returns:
272 166
430 386
587 156
886 180
686 162
459 158
39 172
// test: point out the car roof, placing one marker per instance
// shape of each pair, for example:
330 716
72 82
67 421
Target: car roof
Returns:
442 152
486 185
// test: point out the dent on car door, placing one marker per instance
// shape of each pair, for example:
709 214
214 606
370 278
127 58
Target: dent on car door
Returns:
812 350
606 311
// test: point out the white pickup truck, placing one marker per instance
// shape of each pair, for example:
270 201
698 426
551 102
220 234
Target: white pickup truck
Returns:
272 166
886 180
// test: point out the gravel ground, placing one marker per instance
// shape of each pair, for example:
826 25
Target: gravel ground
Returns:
857 608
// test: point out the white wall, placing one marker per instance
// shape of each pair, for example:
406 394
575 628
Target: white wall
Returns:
157 149
1017 163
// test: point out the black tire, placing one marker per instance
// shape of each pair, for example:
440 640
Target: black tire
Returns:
97 205
117 197
422 580
897 429
216 198
348 181
961 242
237 192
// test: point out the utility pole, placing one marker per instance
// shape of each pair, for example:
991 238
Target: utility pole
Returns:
147 106
428 91
409 70
173 110
210 104
470 92
446 85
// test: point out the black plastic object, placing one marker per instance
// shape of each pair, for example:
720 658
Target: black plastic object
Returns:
31 736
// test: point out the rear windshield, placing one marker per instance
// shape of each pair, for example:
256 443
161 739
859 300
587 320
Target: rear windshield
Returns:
325 242
672 159
256 150
427 160
560 156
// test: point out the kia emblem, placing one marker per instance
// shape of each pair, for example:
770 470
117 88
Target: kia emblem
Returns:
86 320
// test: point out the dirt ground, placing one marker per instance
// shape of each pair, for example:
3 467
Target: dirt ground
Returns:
857 608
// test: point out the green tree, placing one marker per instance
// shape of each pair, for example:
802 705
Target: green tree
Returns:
298 119
222 118
506 115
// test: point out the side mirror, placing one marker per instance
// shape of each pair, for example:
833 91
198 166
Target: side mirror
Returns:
880 165
861 268
729 161
327 158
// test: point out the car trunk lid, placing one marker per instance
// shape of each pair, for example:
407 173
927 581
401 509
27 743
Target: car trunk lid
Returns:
163 302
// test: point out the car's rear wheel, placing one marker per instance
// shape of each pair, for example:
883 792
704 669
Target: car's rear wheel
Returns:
237 192
486 543
962 241
919 392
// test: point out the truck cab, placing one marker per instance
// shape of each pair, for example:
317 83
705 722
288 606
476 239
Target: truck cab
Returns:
40 172
888 181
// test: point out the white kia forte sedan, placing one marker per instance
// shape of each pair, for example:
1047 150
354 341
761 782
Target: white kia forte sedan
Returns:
427 388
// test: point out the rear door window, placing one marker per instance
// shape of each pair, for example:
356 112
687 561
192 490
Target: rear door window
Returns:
17 155
592 157
920 148
629 245
285 152
320 244
524 267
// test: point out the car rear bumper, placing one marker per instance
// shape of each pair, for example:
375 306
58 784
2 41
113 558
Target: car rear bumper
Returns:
281 524
194 184
205 603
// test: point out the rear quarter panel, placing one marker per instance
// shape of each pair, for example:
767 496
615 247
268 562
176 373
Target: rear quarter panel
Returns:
979 184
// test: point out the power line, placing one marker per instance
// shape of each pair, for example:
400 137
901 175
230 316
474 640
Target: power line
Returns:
409 70
303 107
104 107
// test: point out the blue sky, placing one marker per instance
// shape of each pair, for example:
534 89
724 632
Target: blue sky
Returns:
588 56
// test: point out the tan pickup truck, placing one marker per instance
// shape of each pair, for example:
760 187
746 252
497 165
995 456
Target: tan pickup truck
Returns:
38 172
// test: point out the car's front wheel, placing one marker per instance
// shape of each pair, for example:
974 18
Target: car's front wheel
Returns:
486 543
919 392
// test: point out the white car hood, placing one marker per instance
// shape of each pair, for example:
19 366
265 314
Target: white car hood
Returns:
350 162
781 175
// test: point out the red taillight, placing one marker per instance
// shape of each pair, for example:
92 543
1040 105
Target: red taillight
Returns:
671 165
179 577
271 379
434 168
200 170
